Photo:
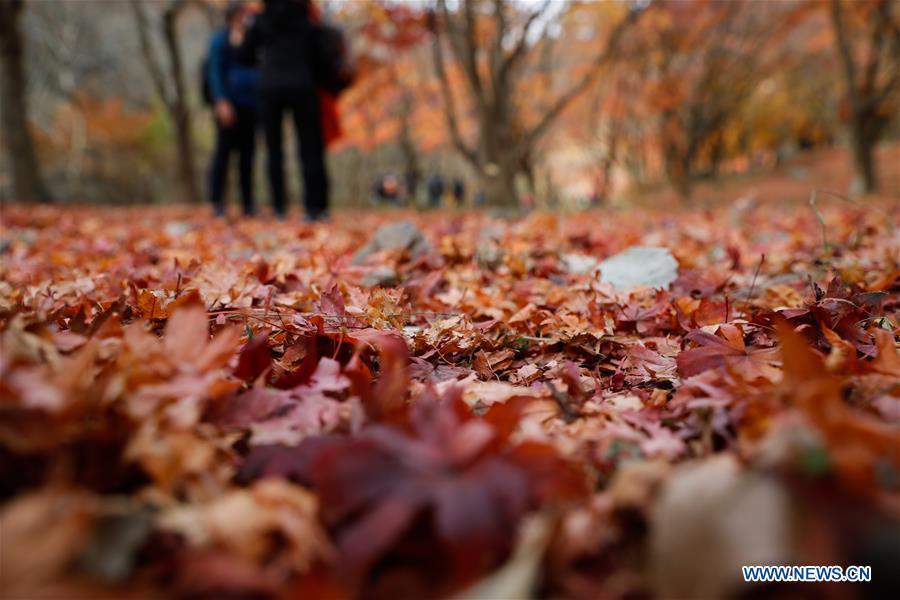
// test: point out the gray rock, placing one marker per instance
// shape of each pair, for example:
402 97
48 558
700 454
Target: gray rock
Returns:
578 264
489 251
385 276
396 236
176 228
640 266
711 517
489 255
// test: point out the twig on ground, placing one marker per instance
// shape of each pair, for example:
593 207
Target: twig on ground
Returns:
762 259
819 217
569 414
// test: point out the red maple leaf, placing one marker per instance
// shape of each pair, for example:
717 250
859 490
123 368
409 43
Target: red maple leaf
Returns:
646 320
458 472
726 350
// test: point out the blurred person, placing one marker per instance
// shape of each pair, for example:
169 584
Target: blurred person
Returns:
458 189
435 188
527 201
387 189
232 88
390 186
377 189
295 60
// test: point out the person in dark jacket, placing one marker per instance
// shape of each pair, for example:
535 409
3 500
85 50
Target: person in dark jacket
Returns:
233 91
281 39
435 186
459 192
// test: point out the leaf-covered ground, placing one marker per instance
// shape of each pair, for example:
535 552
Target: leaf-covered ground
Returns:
200 409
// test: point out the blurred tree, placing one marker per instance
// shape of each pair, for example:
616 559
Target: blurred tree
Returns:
701 62
170 85
867 36
28 183
491 41
392 30
382 113
69 52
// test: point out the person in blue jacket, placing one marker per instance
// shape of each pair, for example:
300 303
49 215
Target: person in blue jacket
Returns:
233 87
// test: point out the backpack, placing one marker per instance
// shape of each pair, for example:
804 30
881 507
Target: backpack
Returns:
333 67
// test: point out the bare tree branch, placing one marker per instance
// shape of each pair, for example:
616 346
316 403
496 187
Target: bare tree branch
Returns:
175 94
462 41
876 38
496 55
521 46
611 50
844 53
471 47
887 41
154 69
449 105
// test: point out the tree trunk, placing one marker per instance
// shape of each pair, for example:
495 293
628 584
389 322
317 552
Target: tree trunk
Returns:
499 154
28 184
499 189
681 182
498 180
412 172
498 177
716 154
863 149
504 140
863 92
603 187
180 110
677 170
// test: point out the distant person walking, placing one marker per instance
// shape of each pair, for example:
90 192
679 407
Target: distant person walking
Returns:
286 41
387 190
459 192
232 88
435 188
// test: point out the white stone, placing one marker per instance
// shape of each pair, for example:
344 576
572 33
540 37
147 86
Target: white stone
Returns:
578 264
640 266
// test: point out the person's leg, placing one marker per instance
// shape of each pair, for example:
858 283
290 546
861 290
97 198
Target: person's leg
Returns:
272 111
247 149
218 170
305 111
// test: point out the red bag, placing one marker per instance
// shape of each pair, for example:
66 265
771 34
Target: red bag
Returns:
328 113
